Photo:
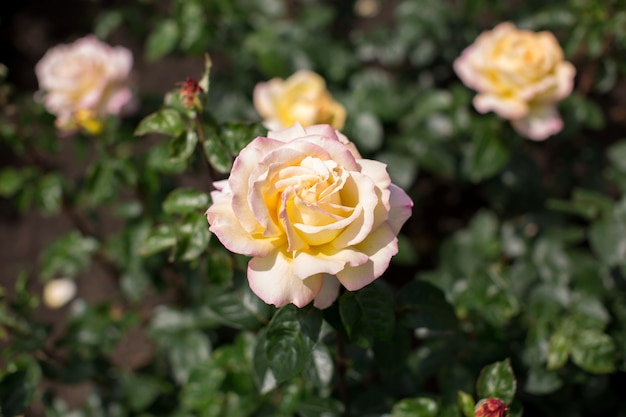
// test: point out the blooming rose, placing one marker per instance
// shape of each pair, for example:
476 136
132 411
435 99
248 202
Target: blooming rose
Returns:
311 212
83 82
300 98
520 75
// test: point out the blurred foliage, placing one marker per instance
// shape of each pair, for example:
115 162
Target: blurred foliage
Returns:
511 277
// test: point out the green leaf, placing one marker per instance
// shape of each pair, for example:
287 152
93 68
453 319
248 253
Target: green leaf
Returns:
17 388
368 313
192 237
593 351
50 189
67 256
185 200
241 310
497 380
161 238
162 40
367 132
466 403
165 121
289 340
186 351
412 407
11 181
485 156
182 147
203 384
608 240
422 305
617 155
319 407
558 350
541 381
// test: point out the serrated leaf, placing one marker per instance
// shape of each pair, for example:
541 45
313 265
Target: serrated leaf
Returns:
182 147
498 381
185 200
367 313
165 121
289 340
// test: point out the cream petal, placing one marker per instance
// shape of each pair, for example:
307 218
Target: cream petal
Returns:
506 108
380 246
309 263
273 280
365 201
329 292
225 225
288 134
540 123
401 208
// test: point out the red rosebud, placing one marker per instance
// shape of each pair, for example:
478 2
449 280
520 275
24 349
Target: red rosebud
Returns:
189 93
490 407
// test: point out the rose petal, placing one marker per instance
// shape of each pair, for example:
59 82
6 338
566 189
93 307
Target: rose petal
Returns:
380 246
541 123
329 292
273 280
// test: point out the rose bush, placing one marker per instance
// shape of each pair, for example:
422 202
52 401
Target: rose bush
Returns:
300 98
311 212
83 82
520 75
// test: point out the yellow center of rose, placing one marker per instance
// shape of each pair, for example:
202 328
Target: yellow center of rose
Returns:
305 200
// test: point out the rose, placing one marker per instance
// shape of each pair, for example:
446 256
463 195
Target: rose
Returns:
311 212
83 82
300 98
520 75
490 407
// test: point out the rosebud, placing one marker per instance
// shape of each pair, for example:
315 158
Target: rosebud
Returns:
58 292
189 93
490 407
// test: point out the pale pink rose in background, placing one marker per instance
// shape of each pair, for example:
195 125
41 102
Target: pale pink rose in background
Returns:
301 98
311 212
83 82
520 75
58 292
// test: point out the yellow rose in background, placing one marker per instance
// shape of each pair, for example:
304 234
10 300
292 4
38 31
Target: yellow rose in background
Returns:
520 75
300 98
83 82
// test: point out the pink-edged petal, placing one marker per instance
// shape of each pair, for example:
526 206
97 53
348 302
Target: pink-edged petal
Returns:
273 280
264 96
541 123
380 246
241 175
322 130
225 225
507 108
401 208
565 74
329 292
